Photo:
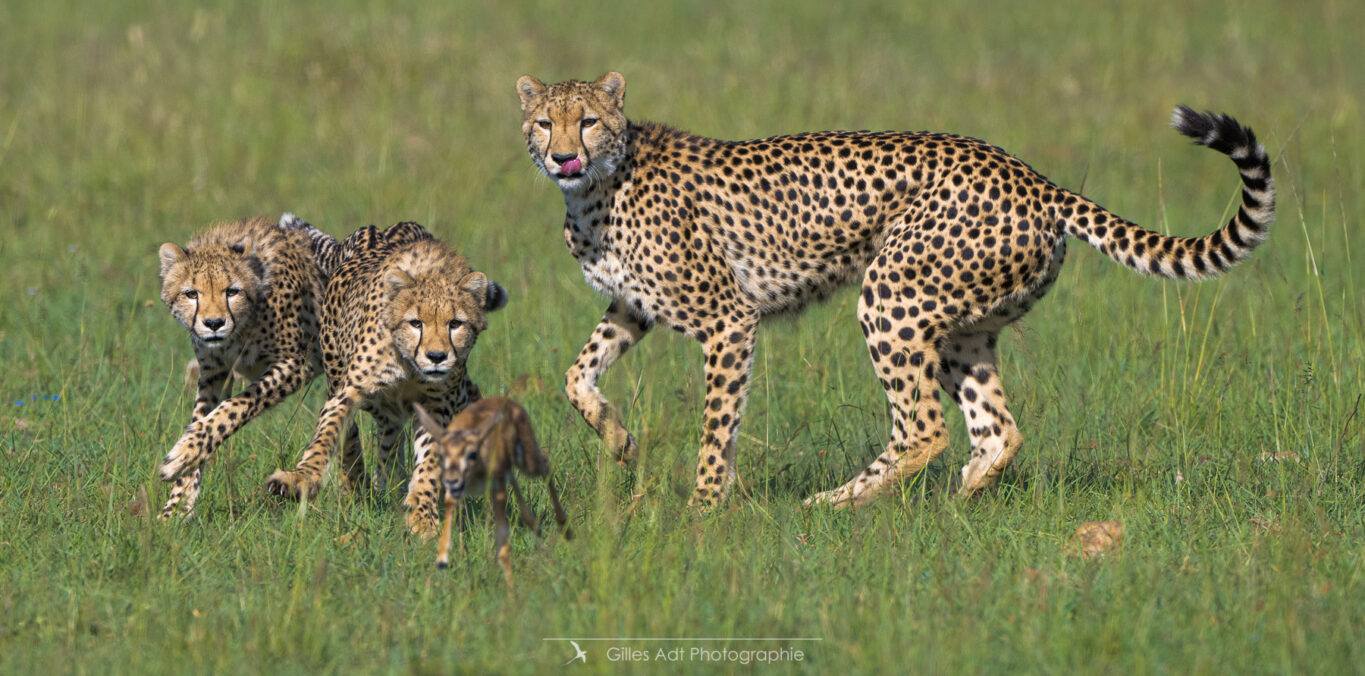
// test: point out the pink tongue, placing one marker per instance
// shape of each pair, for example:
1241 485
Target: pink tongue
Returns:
571 167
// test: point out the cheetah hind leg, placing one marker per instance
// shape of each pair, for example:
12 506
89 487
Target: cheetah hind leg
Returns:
969 375
906 360
918 436
987 464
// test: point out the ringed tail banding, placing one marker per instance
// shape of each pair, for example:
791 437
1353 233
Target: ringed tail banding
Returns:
1188 258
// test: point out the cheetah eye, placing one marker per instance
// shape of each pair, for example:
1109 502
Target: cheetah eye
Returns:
544 124
455 324
233 291
589 122
415 323
191 294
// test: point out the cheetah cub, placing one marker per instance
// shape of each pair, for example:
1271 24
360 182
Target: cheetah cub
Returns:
481 450
949 238
401 314
247 292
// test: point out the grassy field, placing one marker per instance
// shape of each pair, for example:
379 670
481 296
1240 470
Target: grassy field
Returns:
1220 423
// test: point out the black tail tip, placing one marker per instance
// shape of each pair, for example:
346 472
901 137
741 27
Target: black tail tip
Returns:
289 221
1214 130
496 298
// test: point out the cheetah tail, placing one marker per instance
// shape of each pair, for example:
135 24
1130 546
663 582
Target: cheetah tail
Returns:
326 250
1190 258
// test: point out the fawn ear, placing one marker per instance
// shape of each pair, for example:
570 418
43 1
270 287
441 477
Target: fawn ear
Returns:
482 431
427 422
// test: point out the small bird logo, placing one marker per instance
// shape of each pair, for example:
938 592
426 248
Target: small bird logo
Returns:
581 656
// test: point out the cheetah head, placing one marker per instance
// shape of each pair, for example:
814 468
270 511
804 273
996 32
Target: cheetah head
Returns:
434 318
458 450
575 131
212 290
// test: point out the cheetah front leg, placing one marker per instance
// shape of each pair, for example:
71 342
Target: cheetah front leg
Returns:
729 360
184 493
425 485
306 476
391 443
353 461
213 380
203 436
615 334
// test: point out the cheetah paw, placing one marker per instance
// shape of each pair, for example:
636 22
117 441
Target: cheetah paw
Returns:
622 446
839 498
704 499
184 457
422 525
291 485
175 513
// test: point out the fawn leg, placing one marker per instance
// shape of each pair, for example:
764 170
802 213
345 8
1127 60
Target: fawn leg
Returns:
527 516
501 530
560 517
443 545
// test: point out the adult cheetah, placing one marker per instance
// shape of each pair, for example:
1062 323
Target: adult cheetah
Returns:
247 291
952 238
401 315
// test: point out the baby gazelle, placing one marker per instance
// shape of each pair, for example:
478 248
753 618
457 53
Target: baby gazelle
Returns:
481 450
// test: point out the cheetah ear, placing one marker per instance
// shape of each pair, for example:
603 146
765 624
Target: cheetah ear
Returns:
529 88
614 84
395 280
244 246
492 294
427 422
170 254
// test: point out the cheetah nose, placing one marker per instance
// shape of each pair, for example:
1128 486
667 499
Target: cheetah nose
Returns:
561 158
214 324
436 357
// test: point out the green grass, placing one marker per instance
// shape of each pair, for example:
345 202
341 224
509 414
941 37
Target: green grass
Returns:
125 125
